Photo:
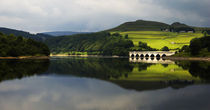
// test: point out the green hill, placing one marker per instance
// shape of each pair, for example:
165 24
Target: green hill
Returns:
178 24
143 25
39 36
100 43
12 46
140 25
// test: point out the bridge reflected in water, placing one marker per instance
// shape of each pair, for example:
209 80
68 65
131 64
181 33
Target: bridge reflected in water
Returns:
150 60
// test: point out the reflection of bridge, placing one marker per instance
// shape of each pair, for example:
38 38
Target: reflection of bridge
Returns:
150 60
150 53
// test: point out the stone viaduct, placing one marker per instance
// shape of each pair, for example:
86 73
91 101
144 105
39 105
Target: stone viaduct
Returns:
150 53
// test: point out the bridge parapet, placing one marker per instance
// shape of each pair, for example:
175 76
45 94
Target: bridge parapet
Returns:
150 53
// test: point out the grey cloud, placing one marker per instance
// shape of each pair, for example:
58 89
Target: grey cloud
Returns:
96 15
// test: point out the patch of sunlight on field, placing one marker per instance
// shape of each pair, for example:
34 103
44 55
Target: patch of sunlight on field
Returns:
159 39
159 72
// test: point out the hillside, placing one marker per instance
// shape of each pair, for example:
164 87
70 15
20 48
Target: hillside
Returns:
39 37
159 39
100 43
140 25
12 46
63 33
178 24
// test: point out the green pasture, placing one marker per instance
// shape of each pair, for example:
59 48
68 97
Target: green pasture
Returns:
159 39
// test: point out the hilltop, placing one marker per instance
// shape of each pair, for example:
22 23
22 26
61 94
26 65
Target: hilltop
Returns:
140 25
144 25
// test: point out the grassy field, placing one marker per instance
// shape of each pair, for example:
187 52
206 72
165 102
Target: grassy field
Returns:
158 39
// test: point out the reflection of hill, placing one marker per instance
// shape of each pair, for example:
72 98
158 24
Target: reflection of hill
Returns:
92 67
137 76
118 71
142 86
13 69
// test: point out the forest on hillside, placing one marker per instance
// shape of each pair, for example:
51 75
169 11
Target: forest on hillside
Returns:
13 46
100 43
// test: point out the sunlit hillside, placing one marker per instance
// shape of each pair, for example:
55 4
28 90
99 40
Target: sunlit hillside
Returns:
159 39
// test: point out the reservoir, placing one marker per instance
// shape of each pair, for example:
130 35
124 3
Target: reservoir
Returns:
99 83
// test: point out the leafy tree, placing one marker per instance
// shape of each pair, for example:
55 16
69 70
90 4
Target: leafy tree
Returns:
185 48
143 45
126 36
195 46
165 48
205 33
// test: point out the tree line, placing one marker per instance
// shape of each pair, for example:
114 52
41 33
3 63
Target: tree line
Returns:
197 46
11 45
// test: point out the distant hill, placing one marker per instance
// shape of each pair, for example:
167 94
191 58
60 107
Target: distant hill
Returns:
178 24
140 25
63 33
39 37
143 25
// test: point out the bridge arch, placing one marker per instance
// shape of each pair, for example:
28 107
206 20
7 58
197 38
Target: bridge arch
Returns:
164 55
152 55
158 55
147 55
132 55
142 55
137 55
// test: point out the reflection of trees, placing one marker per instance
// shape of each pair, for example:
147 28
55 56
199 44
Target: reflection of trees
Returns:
201 70
197 69
12 69
143 66
165 65
92 67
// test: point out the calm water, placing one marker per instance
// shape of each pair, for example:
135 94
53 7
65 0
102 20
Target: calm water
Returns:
73 83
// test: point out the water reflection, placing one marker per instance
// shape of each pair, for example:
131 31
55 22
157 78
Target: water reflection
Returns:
150 60
138 76
70 93
130 75
17 69
103 84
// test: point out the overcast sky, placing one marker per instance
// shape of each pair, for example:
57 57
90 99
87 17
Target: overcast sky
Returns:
96 15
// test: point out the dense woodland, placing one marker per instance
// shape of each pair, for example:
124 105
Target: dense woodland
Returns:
198 47
13 46
102 43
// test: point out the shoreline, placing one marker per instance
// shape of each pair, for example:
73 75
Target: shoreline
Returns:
188 58
26 57
61 55
166 58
